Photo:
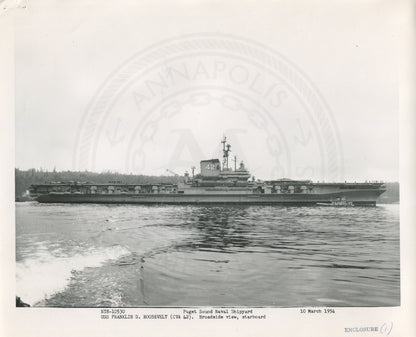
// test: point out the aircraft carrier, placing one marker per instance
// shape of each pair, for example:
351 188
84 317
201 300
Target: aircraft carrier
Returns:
217 183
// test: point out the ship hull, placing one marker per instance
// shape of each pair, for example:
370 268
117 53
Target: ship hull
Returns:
358 197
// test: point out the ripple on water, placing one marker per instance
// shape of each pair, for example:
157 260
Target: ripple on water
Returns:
130 255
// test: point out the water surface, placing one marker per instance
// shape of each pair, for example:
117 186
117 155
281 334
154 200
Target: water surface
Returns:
136 256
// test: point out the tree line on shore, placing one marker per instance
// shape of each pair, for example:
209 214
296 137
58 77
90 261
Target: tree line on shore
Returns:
392 194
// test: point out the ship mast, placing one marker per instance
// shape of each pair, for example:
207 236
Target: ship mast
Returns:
226 150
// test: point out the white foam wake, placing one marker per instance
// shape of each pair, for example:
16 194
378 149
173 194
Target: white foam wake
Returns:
44 273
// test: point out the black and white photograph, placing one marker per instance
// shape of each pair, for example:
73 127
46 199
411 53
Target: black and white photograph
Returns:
214 161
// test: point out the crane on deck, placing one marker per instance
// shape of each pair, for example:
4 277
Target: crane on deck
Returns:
174 173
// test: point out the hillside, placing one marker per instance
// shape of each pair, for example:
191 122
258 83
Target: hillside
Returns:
392 194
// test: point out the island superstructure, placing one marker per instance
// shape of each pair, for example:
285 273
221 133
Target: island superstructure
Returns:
217 183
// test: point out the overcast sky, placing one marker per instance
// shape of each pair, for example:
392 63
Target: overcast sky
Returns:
66 51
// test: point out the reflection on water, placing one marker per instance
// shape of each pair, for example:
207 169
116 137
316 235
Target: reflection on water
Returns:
129 255
220 229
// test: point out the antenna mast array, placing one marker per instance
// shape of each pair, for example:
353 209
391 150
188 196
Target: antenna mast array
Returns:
226 149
